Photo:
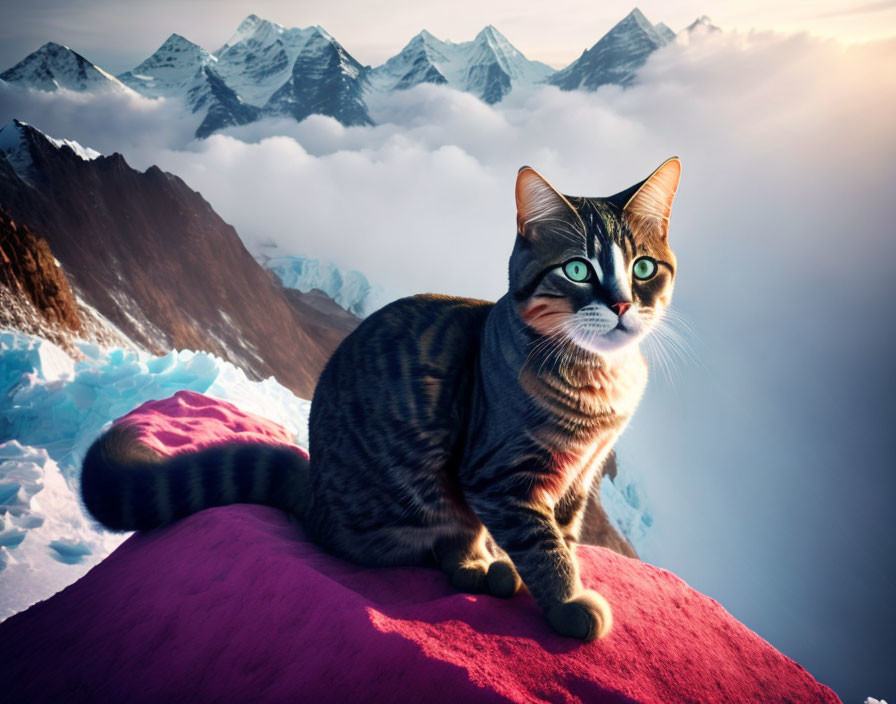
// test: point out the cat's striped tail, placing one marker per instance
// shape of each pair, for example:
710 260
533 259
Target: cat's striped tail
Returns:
127 486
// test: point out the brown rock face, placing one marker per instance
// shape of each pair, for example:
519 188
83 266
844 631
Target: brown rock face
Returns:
27 266
152 256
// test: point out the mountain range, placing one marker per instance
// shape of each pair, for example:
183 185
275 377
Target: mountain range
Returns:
147 256
268 70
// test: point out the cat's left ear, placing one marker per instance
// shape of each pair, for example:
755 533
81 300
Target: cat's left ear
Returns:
648 205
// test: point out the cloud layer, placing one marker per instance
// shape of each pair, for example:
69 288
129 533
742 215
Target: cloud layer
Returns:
768 463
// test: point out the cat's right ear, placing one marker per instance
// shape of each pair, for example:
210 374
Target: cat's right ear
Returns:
536 199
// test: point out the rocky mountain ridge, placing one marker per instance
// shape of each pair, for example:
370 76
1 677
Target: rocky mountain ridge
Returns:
151 256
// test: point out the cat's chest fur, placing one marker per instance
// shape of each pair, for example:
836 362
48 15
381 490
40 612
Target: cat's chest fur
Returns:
579 405
584 411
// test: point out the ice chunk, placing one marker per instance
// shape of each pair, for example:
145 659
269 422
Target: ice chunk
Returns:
70 552
350 289
46 541
624 504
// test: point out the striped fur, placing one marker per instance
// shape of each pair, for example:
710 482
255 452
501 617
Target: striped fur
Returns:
459 433
127 486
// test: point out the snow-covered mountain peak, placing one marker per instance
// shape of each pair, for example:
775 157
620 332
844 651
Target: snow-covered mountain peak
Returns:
246 29
320 40
172 69
266 32
17 138
487 66
492 38
176 50
490 33
323 33
618 55
427 44
509 58
18 133
178 42
54 66
325 79
635 18
635 24
426 36
258 59
258 32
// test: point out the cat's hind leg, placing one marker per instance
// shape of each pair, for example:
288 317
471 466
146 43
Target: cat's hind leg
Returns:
503 580
471 563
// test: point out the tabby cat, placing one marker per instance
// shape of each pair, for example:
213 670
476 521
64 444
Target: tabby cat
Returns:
456 432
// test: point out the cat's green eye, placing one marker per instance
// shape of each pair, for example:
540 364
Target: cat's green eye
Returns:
644 268
577 270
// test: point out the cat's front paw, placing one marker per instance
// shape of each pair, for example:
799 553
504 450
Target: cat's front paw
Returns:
586 616
503 581
471 578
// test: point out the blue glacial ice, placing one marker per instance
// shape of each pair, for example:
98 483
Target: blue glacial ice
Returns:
350 289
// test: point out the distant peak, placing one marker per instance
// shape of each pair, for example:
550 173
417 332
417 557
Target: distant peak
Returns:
318 33
53 47
249 23
252 27
179 41
635 19
489 32
638 18
703 23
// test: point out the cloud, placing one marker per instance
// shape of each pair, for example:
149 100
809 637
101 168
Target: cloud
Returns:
867 8
108 120
769 466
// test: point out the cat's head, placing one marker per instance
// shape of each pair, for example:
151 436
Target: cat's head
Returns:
594 271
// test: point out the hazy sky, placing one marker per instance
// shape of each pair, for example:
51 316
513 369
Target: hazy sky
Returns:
118 35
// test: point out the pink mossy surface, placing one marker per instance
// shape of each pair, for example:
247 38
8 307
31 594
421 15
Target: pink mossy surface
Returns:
189 421
234 604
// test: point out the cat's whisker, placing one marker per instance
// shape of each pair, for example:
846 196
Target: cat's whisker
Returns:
668 345
658 357
552 341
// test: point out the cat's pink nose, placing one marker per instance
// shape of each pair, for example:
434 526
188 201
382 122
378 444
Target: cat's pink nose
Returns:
620 307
